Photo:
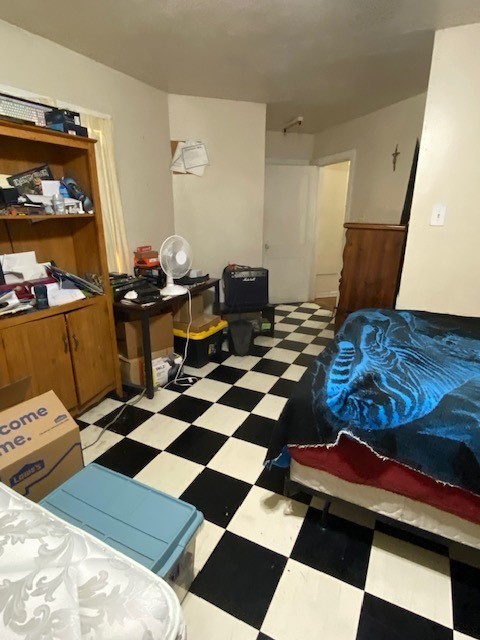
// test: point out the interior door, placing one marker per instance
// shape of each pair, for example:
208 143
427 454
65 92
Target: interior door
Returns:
90 340
40 349
290 199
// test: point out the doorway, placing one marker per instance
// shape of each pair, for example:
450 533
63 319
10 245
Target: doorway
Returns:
306 207
332 205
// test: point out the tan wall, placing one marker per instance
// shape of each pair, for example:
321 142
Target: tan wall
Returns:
442 264
293 146
140 119
332 198
378 192
221 213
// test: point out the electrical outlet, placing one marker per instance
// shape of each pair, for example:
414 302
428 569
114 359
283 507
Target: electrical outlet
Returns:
439 212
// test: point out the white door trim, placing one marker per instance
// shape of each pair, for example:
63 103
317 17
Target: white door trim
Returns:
342 156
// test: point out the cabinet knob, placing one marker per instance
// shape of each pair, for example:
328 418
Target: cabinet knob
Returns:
65 343
75 341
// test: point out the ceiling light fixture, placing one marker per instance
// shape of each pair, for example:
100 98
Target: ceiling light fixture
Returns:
295 122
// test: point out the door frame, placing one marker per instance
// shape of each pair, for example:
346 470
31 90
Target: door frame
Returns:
324 161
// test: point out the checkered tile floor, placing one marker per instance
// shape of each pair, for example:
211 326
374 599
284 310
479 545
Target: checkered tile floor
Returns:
265 565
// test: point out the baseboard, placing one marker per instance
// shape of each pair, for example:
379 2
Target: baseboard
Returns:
326 294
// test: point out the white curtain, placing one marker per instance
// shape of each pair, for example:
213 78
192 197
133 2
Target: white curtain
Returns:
112 211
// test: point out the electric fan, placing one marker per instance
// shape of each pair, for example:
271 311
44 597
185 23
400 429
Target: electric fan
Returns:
176 260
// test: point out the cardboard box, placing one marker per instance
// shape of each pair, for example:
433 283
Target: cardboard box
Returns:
133 371
200 324
146 262
129 336
39 446
144 255
183 315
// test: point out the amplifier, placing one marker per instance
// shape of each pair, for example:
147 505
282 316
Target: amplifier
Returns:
245 286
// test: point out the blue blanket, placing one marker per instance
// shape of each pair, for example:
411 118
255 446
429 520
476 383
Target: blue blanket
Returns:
405 383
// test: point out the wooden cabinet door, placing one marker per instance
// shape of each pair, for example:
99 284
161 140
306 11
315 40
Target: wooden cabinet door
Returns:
41 350
90 344
4 374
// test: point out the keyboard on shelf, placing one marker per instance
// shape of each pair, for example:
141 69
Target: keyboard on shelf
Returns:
23 110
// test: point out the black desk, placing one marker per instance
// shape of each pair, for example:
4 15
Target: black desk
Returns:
128 311
267 310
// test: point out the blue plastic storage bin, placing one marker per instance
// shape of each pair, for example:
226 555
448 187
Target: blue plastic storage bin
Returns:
154 529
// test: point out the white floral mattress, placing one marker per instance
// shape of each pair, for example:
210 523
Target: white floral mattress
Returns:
58 582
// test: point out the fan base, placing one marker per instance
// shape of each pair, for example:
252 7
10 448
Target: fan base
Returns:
173 290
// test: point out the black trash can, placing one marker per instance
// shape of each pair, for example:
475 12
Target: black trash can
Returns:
240 337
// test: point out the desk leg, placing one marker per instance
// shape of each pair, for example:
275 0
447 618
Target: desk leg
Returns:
271 316
147 356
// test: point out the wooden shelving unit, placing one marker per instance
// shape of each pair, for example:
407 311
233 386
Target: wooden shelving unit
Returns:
70 348
39 217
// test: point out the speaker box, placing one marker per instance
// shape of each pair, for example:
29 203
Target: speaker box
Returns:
245 287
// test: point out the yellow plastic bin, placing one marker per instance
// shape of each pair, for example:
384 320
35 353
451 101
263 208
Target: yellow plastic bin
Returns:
202 346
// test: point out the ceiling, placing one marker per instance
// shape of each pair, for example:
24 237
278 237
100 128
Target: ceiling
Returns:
328 60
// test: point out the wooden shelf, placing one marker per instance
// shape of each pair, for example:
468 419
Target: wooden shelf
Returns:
31 316
44 134
52 216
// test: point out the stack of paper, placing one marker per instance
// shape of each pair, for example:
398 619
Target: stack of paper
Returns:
18 267
64 294
190 157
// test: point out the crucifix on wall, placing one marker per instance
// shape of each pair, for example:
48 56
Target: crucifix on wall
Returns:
395 155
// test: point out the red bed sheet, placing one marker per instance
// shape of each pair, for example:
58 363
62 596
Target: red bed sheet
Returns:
354 462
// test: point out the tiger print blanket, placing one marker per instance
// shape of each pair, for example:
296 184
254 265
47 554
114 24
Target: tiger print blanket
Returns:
407 384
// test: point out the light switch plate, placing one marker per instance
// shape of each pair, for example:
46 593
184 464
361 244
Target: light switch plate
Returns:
439 212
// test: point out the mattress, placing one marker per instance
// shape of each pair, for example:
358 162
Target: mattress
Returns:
57 581
353 461
388 504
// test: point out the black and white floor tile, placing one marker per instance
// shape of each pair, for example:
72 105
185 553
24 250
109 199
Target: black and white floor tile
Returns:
267 568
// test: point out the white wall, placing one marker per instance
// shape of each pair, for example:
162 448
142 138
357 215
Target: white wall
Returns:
221 213
332 199
378 193
293 146
140 120
442 264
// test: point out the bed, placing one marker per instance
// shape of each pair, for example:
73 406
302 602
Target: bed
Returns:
388 418
58 581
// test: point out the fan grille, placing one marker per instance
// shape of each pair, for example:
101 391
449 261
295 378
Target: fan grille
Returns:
176 256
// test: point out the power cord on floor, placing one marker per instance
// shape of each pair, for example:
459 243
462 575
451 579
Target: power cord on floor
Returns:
180 381
184 381
133 401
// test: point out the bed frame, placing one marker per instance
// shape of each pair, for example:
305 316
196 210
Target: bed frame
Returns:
293 487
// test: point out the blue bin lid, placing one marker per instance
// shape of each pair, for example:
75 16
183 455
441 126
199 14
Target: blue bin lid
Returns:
141 522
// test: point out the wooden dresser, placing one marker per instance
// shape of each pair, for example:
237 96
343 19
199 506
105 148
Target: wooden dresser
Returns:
69 348
372 266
